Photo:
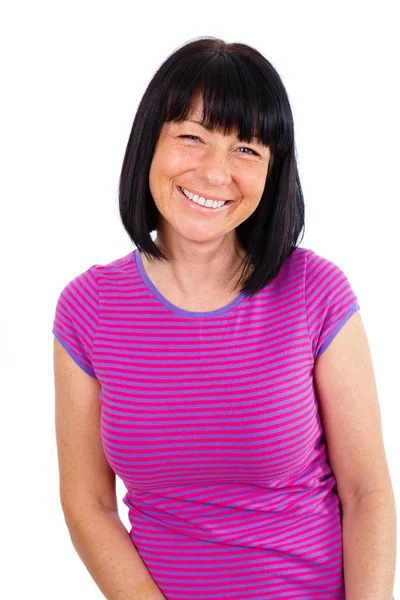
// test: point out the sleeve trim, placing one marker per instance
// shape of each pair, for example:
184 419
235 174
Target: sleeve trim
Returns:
73 354
353 308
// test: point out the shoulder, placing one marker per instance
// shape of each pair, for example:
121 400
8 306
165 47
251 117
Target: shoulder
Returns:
292 270
324 279
329 299
309 259
297 260
94 276
116 266
79 298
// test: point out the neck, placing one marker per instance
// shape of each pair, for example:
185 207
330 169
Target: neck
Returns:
192 275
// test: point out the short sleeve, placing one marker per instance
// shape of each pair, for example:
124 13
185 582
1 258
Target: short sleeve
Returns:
330 301
76 317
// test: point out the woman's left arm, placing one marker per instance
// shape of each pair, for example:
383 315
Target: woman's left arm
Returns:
369 546
347 396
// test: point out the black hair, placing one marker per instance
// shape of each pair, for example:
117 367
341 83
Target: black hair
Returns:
241 90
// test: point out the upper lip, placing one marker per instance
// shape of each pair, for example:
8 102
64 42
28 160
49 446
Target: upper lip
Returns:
205 195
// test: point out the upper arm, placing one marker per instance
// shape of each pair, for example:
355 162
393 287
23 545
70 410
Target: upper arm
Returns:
85 474
347 396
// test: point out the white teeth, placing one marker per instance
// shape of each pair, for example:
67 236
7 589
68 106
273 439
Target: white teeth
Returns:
203 201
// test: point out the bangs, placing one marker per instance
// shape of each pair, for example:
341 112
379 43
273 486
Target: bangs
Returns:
231 90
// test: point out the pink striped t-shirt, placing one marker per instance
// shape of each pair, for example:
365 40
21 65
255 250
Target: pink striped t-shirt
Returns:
211 421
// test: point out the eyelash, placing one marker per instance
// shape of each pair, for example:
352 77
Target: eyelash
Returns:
244 147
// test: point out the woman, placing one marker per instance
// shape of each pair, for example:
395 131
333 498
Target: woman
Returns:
241 413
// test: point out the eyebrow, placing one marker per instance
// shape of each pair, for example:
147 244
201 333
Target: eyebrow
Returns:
200 123
197 122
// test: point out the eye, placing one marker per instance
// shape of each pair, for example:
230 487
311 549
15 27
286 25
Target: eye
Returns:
245 148
189 136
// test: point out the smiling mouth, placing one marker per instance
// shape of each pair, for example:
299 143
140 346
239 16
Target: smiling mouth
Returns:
206 196
195 204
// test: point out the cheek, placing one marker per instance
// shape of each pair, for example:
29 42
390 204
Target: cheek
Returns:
181 159
161 170
252 178
173 161
253 188
259 184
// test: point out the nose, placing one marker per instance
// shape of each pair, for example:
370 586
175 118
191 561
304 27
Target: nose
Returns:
214 168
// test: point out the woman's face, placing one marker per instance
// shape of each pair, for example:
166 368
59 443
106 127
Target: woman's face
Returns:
211 165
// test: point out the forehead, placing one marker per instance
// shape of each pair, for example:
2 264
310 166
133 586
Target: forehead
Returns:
195 115
196 110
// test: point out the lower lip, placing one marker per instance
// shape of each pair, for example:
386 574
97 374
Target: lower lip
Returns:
198 207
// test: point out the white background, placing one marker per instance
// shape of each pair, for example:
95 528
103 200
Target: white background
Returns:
72 76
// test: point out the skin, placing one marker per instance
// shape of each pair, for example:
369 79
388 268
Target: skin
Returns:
203 248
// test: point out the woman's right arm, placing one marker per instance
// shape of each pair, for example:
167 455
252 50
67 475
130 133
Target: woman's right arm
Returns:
87 488
106 549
